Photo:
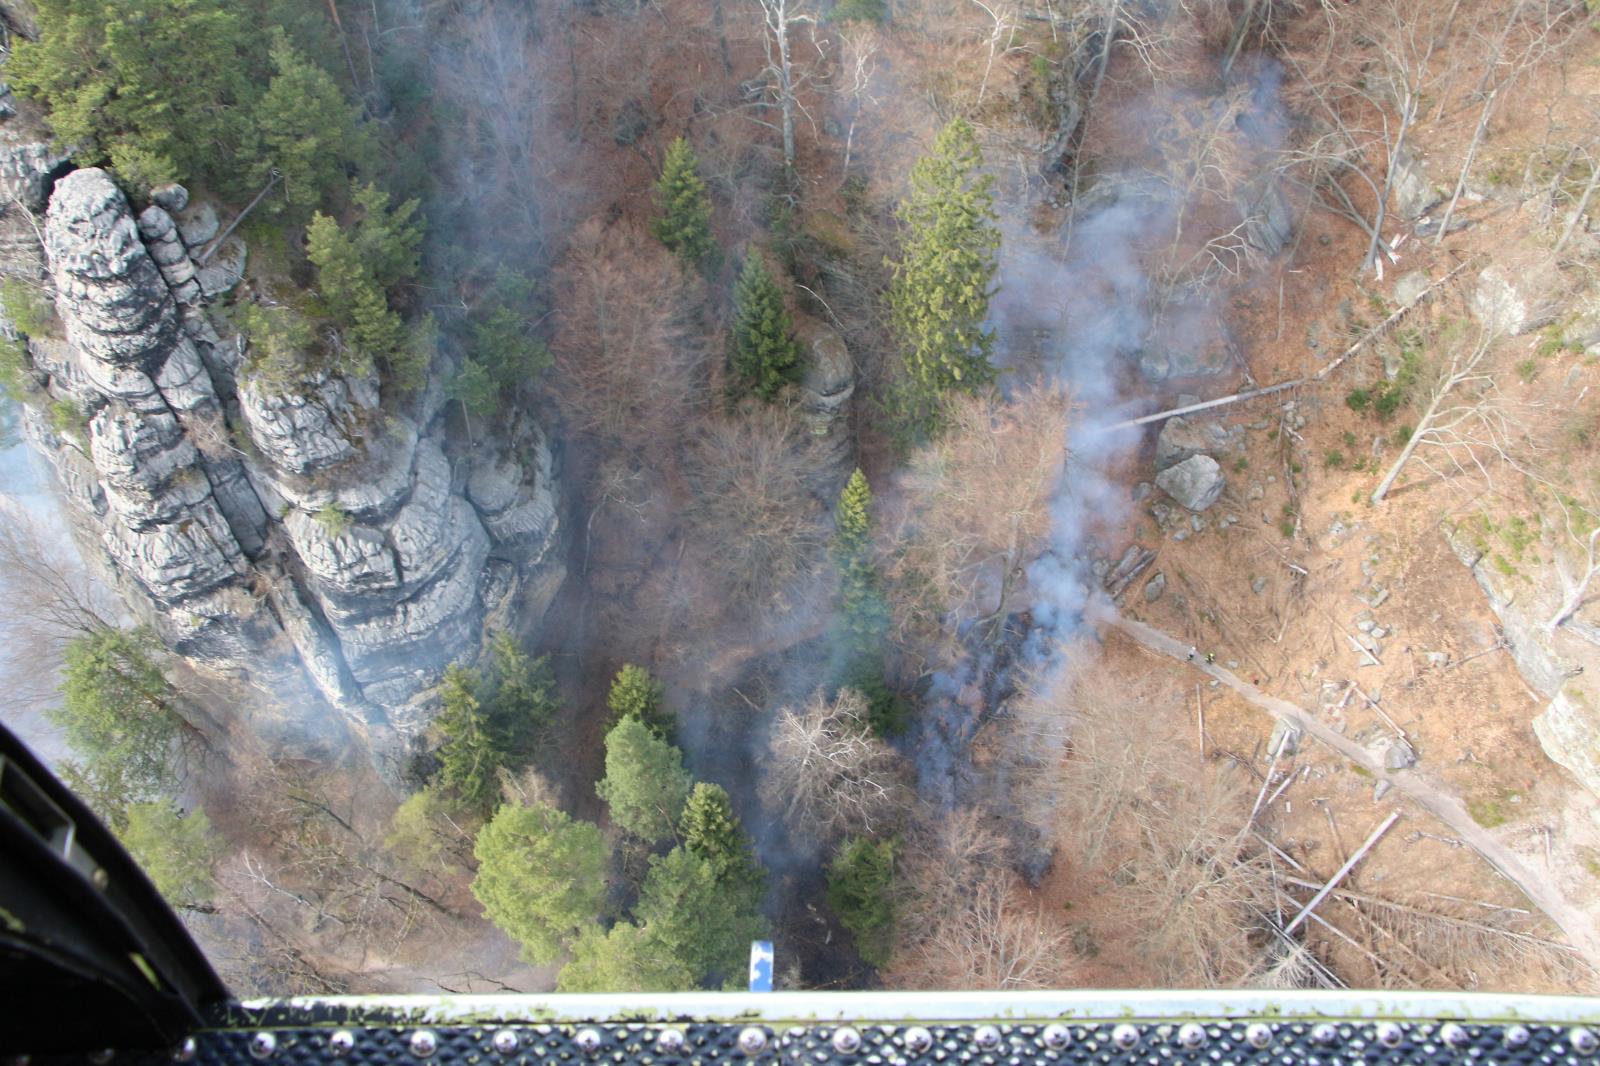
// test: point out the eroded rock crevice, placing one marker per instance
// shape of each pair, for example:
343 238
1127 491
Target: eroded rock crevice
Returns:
313 539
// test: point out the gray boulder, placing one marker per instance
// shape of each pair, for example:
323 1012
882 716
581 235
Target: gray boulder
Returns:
1179 439
1196 483
1413 192
1511 307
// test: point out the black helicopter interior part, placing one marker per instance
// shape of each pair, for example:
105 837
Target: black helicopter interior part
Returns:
91 956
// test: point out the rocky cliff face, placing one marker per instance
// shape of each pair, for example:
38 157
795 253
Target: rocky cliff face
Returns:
299 537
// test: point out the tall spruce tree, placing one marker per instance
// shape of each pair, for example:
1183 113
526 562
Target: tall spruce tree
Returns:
635 694
472 754
766 355
861 603
645 786
863 611
711 830
939 298
684 224
860 884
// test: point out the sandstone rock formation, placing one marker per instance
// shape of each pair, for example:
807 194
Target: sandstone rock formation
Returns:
1557 665
314 539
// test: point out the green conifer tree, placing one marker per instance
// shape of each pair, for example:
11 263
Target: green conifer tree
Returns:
645 785
861 602
175 850
306 129
863 610
540 877
684 222
119 715
860 884
471 754
625 958
635 694
766 355
696 917
351 293
939 298
711 830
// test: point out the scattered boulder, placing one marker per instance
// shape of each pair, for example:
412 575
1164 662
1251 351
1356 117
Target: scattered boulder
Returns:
1155 587
1196 483
1180 439
197 224
1285 739
1399 756
1381 789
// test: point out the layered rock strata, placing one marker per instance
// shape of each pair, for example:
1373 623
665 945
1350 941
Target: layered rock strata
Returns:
297 536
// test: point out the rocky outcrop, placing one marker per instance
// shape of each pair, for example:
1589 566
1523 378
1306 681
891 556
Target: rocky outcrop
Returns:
1554 664
826 393
1510 304
296 535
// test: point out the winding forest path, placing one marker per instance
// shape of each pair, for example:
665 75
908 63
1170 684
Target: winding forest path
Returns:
1443 804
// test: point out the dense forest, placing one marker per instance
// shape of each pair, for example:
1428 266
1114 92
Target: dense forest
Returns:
560 490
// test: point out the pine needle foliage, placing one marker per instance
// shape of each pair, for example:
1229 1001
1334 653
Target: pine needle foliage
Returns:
684 221
860 891
863 611
939 298
766 355
492 720
635 694
175 850
541 877
645 786
119 715
711 830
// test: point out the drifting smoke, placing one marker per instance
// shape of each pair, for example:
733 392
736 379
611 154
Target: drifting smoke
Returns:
1094 308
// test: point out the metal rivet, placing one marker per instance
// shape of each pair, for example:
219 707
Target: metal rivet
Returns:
918 1040
1191 1035
846 1041
185 1051
1125 1037
262 1045
1452 1034
1517 1035
1584 1042
987 1037
1389 1034
1323 1033
505 1041
424 1043
588 1040
101 879
100 1058
670 1041
752 1040
1258 1034
1057 1037
341 1042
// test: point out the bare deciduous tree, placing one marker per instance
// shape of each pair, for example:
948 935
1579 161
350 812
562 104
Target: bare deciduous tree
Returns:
979 506
826 772
752 510
1471 430
779 18
967 921
630 358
